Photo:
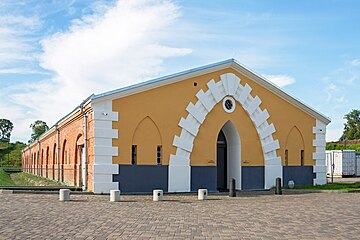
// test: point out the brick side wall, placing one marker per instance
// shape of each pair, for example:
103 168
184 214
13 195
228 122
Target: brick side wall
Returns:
60 159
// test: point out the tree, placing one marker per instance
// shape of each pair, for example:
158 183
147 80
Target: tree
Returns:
352 126
6 126
38 128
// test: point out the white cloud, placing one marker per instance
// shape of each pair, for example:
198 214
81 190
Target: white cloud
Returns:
355 62
281 80
333 134
117 45
15 45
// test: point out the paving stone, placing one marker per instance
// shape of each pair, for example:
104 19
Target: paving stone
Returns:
306 216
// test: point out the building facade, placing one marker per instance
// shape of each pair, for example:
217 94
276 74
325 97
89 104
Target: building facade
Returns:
195 129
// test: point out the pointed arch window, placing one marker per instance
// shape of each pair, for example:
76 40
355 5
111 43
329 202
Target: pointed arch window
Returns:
159 155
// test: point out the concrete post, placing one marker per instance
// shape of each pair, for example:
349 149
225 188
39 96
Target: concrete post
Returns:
202 194
157 195
64 195
115 196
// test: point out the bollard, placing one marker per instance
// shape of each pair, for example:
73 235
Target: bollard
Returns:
291 184
278 189
232 192
202 194
157 195
115 196
64 195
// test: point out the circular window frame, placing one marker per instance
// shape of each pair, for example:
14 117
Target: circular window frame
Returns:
232 109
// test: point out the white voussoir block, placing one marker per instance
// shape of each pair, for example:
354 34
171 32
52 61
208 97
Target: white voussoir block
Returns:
261 118
245 93
114 195
198 115
182 143
230 82
64 195
104 187
202 194
204 100
225 85
106 168
254 104
191 128
273 161
221 88
214 90
267 131
179 178
182 153
158 195
271 146
188 137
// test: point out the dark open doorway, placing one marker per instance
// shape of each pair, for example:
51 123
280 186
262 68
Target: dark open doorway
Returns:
221 162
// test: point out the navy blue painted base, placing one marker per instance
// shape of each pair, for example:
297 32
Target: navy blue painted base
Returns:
146 178
252 177
203 177
301 175
142 178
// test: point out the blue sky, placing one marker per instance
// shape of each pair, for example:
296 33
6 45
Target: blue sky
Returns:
53 54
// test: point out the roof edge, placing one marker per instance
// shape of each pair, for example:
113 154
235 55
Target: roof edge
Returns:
233 63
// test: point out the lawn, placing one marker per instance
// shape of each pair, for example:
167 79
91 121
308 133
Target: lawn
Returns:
333 186
5 179
25 179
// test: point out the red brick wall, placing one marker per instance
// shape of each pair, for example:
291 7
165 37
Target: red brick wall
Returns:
67 168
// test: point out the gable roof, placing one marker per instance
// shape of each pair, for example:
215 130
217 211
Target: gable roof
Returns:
230 63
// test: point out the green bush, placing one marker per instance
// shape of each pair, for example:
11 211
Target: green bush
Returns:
337 146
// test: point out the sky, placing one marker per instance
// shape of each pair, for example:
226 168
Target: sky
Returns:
54 54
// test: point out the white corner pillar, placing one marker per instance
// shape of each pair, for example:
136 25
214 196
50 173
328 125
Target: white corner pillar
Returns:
103 149
319 155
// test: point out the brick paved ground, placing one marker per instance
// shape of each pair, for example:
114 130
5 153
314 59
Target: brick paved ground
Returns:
306 216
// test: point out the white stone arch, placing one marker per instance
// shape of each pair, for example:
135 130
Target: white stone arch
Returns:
229 85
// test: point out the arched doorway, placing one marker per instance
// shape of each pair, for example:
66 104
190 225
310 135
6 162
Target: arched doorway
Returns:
228 161
221 162
79 155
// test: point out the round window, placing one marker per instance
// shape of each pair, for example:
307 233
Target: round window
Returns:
229 104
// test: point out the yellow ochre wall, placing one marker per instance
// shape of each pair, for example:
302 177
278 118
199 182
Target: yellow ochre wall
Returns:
167 104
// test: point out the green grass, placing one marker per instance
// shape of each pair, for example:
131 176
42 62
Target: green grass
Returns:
5 179
333 186
25 179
